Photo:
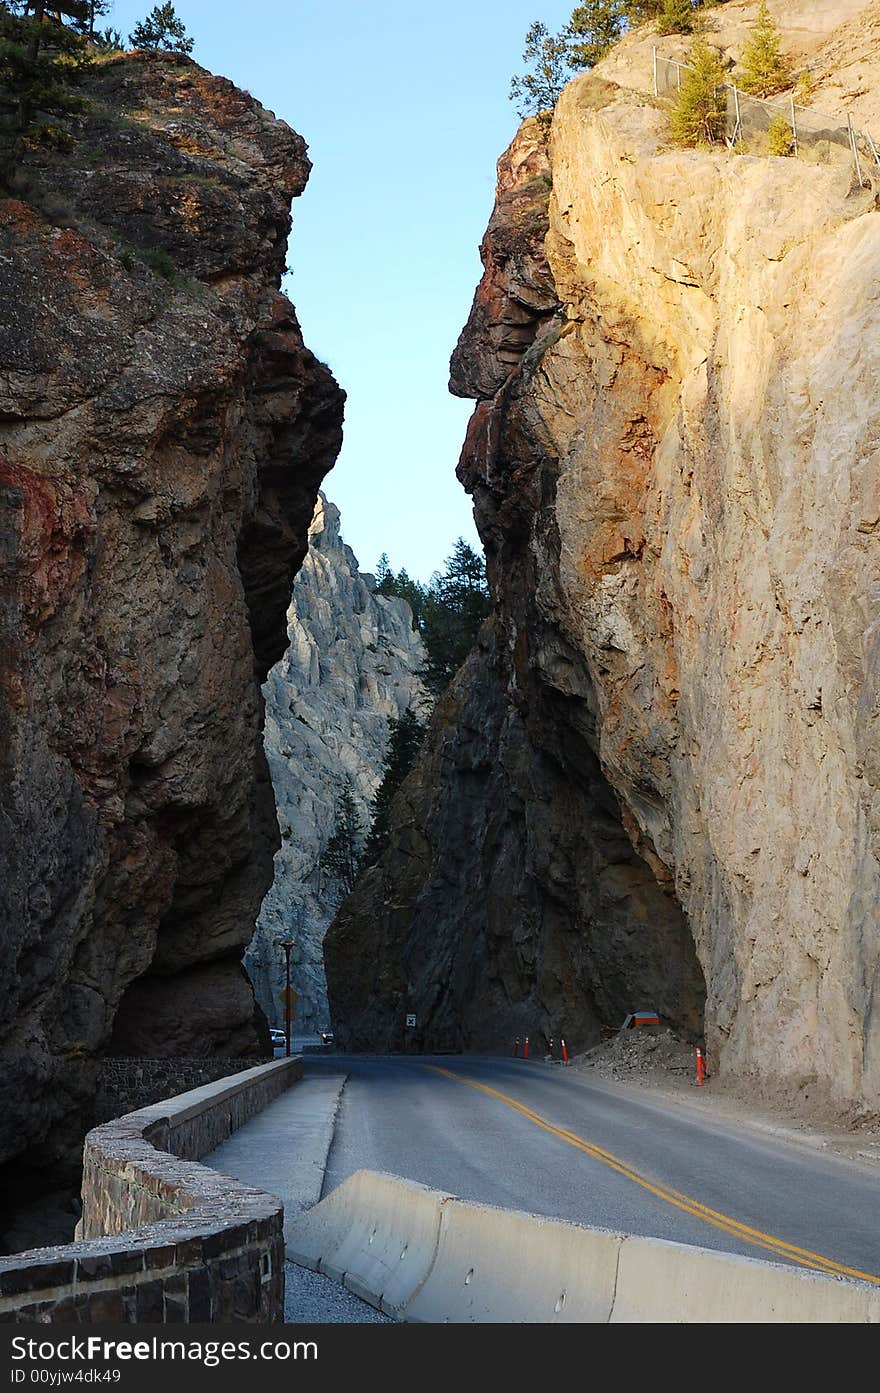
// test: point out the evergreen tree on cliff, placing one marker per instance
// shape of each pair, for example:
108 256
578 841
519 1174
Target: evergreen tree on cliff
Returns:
342 856
404 739
700 114
546 59
42 59
93 9
765 69
447 612
676 17
550 58
162 29
402 586
591 31
455 606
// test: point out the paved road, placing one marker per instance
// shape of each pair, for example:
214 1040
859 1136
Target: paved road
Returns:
537 1137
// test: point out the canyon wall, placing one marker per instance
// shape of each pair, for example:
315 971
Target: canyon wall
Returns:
353 663
511 900
677 489
163 433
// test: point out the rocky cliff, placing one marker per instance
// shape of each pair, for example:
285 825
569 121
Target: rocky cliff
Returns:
163 432
352 663
677 488
511 900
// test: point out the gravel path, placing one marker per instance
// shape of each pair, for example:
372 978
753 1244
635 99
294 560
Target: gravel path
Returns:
310 1298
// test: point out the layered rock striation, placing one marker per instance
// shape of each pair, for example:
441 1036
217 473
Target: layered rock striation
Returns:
353 663
677 488
163 433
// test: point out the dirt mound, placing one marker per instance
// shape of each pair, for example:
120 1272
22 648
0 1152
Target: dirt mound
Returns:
641 1053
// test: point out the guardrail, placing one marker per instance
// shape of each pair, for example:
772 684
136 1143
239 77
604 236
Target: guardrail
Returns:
162 1238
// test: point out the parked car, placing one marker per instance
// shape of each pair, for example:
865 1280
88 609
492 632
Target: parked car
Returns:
326 1037
278 1037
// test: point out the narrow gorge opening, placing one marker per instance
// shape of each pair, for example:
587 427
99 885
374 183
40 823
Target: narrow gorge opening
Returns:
648 783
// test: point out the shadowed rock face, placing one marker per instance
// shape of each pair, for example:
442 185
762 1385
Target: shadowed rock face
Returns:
511 900
163 432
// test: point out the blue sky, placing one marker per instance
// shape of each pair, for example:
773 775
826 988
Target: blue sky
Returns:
404 107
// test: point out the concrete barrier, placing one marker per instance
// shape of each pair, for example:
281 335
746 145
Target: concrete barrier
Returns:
498 1265
426 1256
673 1283
376 1233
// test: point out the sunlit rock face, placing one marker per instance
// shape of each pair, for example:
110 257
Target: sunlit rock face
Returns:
511 901
163 433
353 662
677 489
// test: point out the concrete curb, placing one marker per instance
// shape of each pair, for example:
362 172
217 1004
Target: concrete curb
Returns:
422 1255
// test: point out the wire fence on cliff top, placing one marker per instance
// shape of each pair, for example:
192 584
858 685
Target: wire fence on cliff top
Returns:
815 137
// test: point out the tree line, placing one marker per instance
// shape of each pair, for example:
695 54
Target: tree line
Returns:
699 114
447 612
47 46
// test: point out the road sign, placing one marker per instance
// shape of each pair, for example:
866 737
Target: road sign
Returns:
410 1022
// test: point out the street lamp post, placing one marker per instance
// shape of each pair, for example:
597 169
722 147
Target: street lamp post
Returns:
286 944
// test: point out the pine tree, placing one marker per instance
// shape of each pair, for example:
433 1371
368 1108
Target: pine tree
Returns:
162 29
456 604
108 40
546 55
341 860
592 30
676 17
765 69
638 11
402 587
42 59
93 9
700 114
780 136
405 737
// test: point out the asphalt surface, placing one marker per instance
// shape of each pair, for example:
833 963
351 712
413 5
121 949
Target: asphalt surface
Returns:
401 1115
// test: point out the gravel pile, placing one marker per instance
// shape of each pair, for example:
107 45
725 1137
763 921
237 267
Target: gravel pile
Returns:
641 1052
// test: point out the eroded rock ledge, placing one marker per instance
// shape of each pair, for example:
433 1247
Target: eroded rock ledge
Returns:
163 433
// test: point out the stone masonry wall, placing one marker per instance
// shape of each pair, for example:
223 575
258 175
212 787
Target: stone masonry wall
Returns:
164 1239
125 1085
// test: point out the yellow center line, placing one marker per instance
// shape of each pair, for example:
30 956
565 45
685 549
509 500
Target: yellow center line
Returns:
803 1256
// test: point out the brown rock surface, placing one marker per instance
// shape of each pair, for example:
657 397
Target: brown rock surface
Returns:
163 432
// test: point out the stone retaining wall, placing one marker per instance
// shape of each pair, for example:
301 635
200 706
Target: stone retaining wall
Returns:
124 1085
163 1239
